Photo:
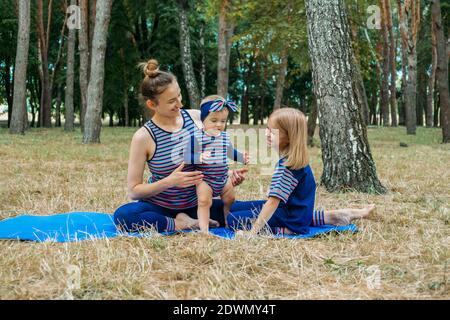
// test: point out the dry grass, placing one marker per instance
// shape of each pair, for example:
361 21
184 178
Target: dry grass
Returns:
408 239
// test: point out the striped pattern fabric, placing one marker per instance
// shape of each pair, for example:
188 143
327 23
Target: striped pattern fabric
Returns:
283 183
318 218
167 157
214 168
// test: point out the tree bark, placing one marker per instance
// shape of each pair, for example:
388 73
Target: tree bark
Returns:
17 124
83 48
186 55
442 71
68 104
93 123
392 59
346 155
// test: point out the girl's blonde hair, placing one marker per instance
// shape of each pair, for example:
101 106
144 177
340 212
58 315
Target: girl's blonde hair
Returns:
293 123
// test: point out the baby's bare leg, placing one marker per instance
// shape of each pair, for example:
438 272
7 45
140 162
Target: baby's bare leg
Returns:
342 217
204 199
228 199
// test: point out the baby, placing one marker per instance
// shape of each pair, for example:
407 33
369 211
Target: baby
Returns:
209 150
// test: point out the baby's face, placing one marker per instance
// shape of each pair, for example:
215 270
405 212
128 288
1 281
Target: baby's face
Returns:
216 120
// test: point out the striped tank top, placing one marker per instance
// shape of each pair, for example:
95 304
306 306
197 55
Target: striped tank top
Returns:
167 157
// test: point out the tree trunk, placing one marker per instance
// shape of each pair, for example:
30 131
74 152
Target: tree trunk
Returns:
203 61
9 88
432 78
93 123
404 48
421 102
441 71
58 107
83 48
45 117
312 120
281 79
68 104
392 58
409 26
384 90
17 124
225 33
186 55
346 155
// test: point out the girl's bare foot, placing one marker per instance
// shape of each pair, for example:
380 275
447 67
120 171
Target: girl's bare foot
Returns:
343 217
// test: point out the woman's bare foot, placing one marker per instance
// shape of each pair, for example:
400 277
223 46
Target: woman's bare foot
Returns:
183 221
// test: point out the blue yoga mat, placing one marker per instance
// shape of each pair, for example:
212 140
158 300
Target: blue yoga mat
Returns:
78 226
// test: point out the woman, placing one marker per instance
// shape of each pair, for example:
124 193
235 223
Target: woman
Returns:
169 201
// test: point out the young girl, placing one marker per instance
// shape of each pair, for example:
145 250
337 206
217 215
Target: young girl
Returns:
209 151
290 205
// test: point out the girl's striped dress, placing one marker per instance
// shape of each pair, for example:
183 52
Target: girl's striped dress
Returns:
167 157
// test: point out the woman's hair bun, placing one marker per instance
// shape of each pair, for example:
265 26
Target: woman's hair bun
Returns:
151 68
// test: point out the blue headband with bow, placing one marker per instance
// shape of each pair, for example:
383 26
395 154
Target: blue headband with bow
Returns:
216 105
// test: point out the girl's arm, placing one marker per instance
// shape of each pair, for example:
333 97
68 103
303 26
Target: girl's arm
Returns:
141 147
266 213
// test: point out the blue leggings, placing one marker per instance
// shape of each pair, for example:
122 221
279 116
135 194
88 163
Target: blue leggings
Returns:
141 214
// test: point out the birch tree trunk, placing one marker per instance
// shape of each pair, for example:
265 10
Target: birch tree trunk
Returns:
17 124
83 48
442 71
346 155
68 104
93 121
186 55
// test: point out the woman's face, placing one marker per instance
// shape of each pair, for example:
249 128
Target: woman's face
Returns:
169 102
276 138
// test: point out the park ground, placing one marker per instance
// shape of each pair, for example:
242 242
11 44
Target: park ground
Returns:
400 252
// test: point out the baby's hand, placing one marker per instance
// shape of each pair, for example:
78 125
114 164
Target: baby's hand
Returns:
205 156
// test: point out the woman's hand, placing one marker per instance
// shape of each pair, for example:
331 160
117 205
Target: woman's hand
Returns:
238 176
181 179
